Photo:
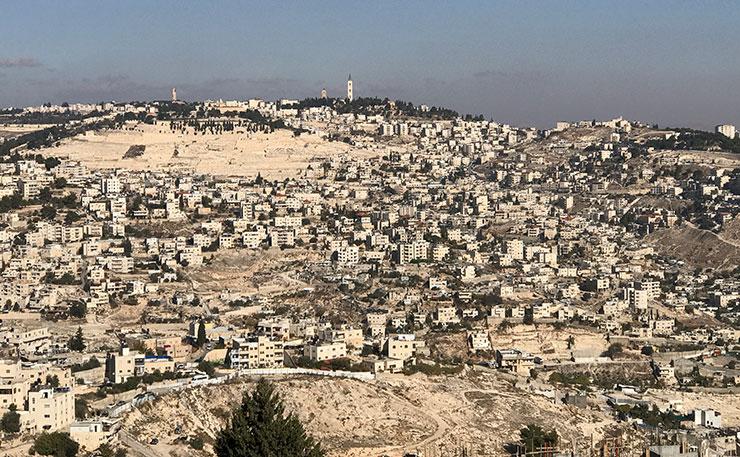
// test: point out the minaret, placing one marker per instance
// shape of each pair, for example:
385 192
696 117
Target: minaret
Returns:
350 95
323 93
174 95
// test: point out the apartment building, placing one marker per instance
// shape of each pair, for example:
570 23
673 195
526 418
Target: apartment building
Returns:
126 364
255 352
325 351
513 360
402 347
49 409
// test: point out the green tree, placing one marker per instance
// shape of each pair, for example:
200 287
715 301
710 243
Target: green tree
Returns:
57 444
201 338
105 450
260 428
52 381
11 421
48 212
72 217
571 341
534 437
614 350
80 408
78 309
528 316
207 368
77 342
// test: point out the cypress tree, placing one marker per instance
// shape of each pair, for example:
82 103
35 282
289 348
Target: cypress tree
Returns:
260 428
201 338
77 342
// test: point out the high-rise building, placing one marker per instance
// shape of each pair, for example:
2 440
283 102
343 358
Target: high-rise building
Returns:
174 95
726 130
350 94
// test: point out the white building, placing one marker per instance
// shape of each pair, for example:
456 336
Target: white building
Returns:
726 130
707 418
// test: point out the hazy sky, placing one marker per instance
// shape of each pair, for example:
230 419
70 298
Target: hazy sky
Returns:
522 62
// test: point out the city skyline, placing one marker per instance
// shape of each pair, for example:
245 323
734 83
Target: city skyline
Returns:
530 63
396 229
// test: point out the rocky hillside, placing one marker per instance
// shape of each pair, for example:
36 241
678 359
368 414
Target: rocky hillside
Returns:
389 416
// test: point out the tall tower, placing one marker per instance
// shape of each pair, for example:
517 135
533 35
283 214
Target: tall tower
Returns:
323 93
174 95
350 94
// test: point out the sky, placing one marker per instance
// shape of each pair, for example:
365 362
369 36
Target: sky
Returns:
528 63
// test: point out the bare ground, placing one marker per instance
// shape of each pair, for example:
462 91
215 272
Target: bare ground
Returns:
388 416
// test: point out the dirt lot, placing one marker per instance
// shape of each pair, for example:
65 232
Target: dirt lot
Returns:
547 342
251 270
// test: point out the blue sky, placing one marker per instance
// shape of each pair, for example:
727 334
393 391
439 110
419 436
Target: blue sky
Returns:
522 62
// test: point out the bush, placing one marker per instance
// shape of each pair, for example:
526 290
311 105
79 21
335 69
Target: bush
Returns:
579 379
88 365
196 443
433 370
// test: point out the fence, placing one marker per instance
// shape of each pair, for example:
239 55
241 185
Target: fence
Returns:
362 375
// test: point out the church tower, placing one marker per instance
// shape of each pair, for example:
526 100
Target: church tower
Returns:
350 94
174 95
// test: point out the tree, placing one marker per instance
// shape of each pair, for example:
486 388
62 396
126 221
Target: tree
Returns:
529 316
207 368
260 428
80 408
105 450
201 338
77 342
78 309
647 350
48 212
57 444
71 217
571 341
127 248
614 350
11 420
534 437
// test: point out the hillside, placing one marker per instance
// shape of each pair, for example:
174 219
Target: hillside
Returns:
697 248
275 155
389 416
